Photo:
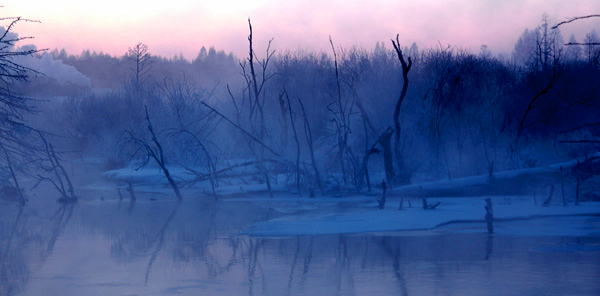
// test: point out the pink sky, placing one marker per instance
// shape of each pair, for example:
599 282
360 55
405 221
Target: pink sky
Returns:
184 26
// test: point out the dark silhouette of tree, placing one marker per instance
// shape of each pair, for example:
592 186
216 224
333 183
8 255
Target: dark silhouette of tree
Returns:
142 63
16 139
403 174
154 149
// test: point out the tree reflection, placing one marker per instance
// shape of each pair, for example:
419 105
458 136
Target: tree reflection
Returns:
12 276
199 243
27 241
161 239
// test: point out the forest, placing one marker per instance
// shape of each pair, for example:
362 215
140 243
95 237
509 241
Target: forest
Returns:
299 172
328 123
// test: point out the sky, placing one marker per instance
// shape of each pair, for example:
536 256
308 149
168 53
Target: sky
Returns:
184 26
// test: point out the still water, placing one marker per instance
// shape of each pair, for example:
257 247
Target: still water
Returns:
194 248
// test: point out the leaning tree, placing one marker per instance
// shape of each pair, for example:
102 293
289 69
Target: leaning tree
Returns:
15 134
24 150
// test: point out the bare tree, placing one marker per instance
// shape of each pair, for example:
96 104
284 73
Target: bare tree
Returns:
403 175
16 137
341 109
142 63
309 141
296 140
56 173
153 150
256 81
534 102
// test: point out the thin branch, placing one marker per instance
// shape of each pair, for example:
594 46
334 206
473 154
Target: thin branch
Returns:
240 128
584 43
574 19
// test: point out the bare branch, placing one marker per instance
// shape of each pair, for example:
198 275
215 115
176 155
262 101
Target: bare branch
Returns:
241 129
583 43
574 19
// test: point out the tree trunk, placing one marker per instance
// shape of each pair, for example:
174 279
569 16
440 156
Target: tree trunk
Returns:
385 142
309 141
403 176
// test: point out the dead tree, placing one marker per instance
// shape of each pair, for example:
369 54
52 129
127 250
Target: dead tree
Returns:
533 103
309 141
210 164
22 199
256 83
368 126
252 79
57 174
341 117
153 150
404 176
385 140
296 140
364 171
18 145
245 132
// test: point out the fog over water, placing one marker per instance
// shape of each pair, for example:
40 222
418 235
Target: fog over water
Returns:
401 166
111 248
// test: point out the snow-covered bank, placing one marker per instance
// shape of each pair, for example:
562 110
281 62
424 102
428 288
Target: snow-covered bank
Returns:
513 182
514 214
240 176
451 211
241 179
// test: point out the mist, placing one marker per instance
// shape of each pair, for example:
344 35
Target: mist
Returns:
349 170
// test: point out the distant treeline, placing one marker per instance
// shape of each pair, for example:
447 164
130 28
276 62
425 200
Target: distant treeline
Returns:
321 117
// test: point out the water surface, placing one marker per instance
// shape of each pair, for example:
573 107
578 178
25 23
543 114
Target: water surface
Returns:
194 248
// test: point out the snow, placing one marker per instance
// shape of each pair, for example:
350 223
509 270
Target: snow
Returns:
459 211
301 215
146 175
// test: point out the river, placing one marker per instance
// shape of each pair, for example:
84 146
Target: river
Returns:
194 248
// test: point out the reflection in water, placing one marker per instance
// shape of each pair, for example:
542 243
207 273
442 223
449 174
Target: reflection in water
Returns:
11 277
193 247
489 247
60 220
27 241
161 239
